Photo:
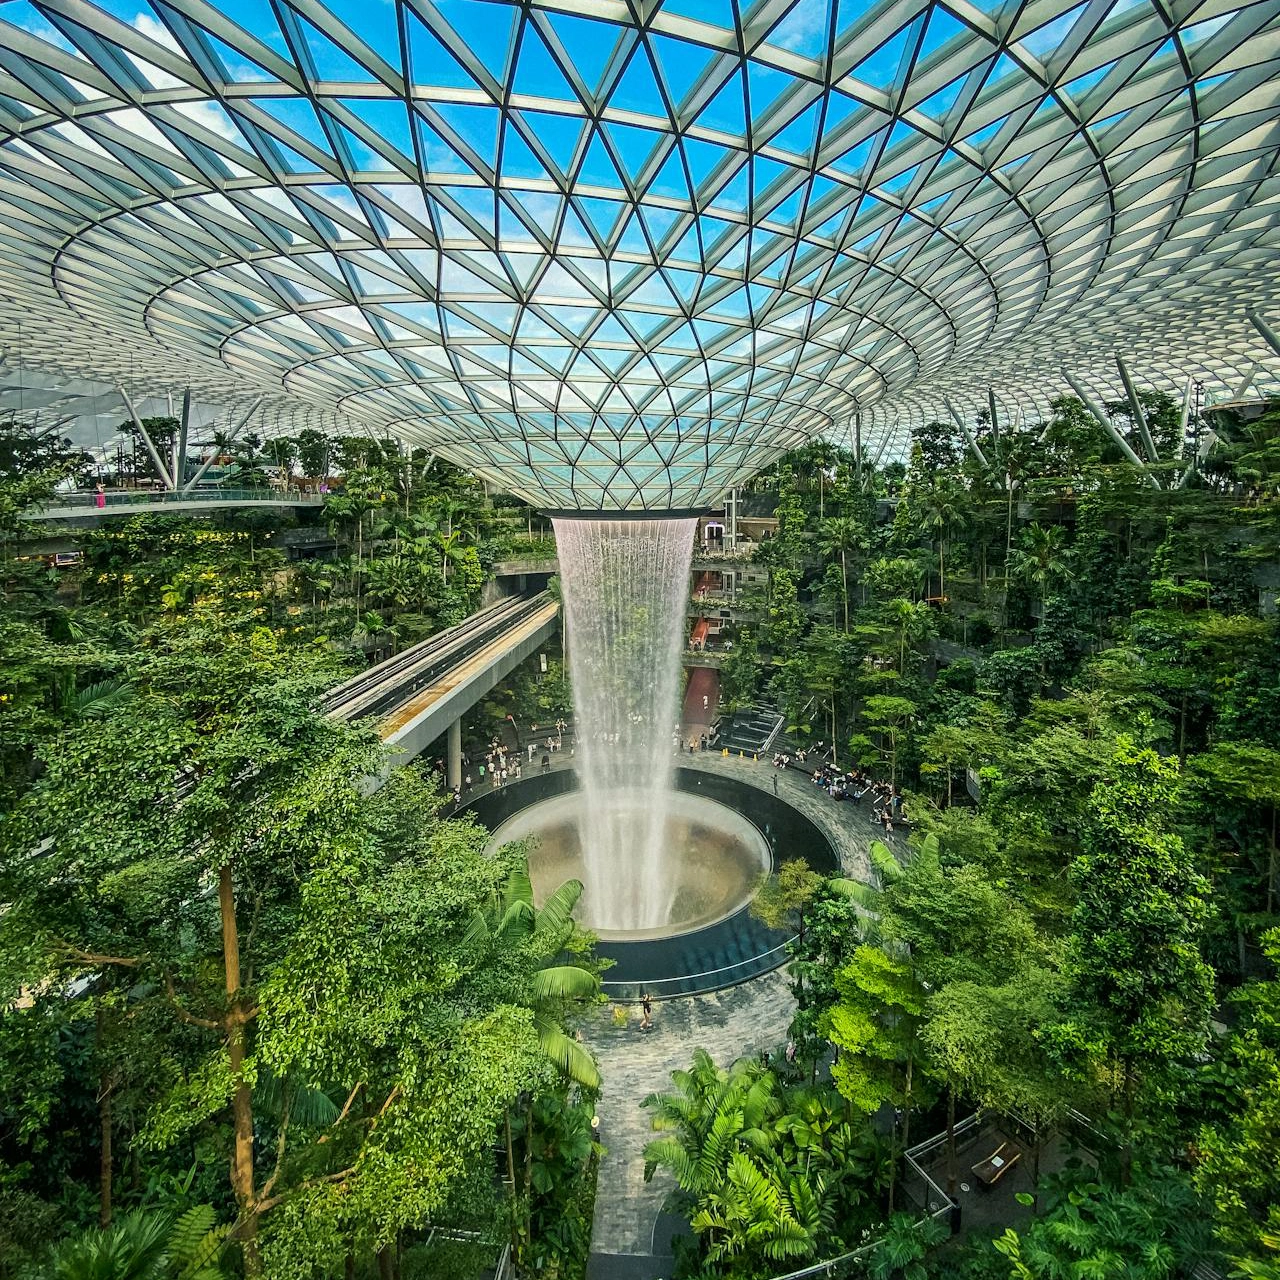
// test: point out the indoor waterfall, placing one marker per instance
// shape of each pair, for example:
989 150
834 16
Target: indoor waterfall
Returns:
625 585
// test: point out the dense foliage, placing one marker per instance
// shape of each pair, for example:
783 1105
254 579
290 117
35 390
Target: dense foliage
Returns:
243 991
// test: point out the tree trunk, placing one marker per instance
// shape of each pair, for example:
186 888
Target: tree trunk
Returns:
951 1142
844 578
104 1127
241 1099
386 1264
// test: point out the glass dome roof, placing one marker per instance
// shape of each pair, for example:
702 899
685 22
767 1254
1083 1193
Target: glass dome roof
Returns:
620 253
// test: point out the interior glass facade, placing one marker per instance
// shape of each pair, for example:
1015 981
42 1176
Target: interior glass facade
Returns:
618 254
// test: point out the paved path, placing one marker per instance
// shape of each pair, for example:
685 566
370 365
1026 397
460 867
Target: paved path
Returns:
728 1024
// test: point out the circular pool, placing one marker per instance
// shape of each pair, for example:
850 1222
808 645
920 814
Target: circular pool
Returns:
727 833
712 859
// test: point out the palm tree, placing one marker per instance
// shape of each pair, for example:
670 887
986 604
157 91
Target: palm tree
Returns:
909 622
942 511
839 537
144 1246
514 924
1043 557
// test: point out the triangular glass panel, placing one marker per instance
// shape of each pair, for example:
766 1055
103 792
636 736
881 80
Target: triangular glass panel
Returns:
765 86
597 169
518 160
633 239
588 43
298 115
1081 85
854 161
237 65
938 104
804 30
437 154
537 72
1044 40
557 134
388 118
764 172
942 29
363 156
682 64
632 146
718 13
430 62
881 68
332 62
658 221
476 126
486 32
636 89
670 180
703 158
799 136
727 110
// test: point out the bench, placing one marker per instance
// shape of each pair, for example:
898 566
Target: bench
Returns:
989 1171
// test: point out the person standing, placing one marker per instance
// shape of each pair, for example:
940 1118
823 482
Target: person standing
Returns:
646 1012
100 497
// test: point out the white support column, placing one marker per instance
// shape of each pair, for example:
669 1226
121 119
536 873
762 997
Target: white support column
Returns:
231 435
180 454
1269 335
453 767
1139 417
970 438
1109 427
161 470
1185 417
1243 389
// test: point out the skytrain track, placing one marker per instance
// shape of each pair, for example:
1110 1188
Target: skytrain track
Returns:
386 686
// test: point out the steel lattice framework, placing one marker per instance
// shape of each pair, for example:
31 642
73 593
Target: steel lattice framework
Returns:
620 253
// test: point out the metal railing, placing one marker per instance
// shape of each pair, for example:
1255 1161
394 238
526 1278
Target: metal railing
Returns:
726 976
166 497
773 735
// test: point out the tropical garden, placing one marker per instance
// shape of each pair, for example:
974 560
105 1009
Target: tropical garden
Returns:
257 1019
260 1020
1070 666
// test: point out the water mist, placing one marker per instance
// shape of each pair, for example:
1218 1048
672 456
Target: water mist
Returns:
625 585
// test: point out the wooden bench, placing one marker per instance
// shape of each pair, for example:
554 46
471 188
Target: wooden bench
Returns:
989 1171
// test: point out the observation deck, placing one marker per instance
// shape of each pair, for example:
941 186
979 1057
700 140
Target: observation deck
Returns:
82 506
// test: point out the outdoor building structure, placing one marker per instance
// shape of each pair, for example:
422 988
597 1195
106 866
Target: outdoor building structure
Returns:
621 256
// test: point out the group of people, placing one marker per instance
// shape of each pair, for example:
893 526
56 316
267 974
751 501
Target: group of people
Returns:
885 800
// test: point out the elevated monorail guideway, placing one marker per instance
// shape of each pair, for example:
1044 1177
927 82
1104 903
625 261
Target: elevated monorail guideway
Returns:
423 692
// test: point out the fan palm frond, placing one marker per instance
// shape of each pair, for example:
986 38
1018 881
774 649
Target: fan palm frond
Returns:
565 1053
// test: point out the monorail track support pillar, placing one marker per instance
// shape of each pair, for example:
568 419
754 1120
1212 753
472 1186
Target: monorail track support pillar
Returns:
453 768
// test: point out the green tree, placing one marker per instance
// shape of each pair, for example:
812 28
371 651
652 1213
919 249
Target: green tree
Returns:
1133 958
842 537
1237 1168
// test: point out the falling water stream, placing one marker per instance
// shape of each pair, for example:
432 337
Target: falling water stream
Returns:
625 585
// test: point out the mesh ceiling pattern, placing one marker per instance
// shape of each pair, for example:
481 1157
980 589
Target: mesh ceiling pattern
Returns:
620 253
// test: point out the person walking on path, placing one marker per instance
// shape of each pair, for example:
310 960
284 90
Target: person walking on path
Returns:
646 1012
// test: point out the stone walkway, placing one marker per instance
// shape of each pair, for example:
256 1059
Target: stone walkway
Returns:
728 1024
